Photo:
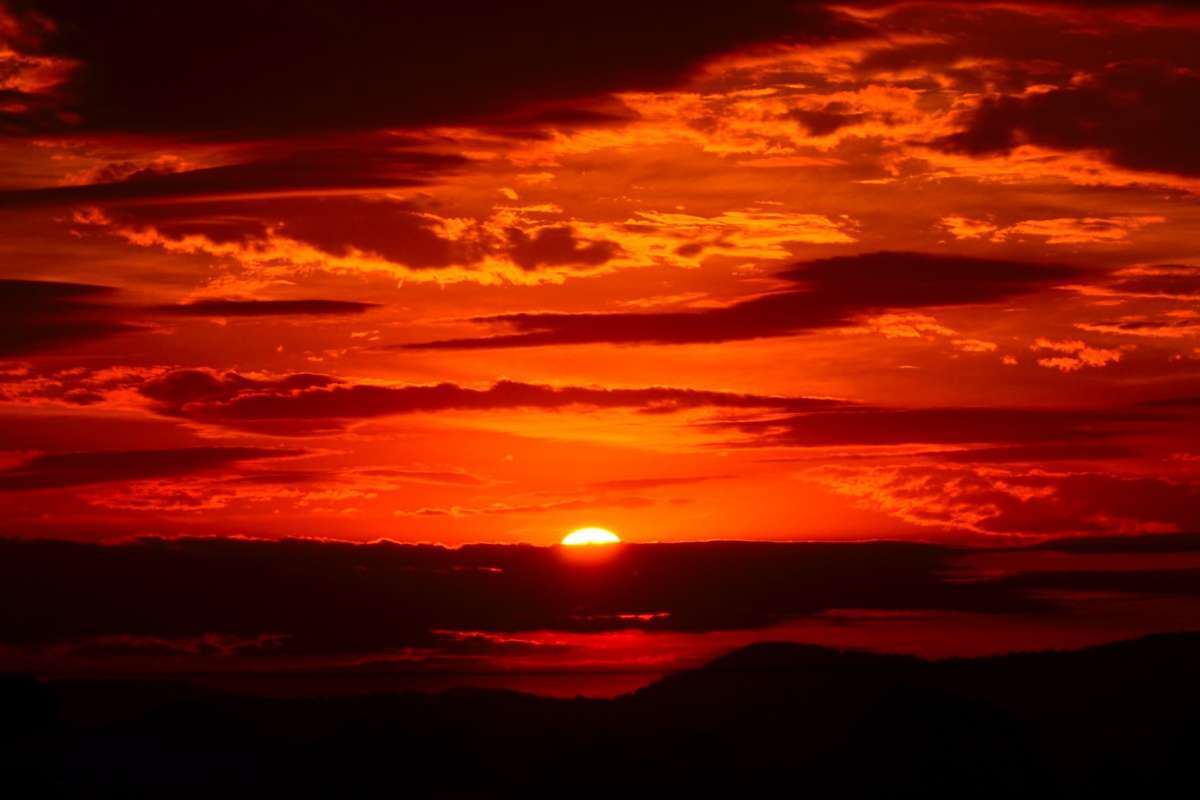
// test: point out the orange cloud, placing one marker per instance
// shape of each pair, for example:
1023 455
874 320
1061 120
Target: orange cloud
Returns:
1077 354
1062 230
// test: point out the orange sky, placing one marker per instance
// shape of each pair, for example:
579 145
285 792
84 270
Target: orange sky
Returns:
918 270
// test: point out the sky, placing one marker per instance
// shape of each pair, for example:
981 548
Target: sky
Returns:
779 271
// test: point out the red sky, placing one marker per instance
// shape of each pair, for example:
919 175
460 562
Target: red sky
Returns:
779 271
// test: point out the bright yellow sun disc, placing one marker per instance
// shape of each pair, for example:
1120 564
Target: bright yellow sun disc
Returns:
585 536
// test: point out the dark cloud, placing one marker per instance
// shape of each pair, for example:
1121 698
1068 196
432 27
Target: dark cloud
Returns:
396 231
1095 503
828 119
424 476
402 232
1167 281
264 308
287 68
828 292
328 597
61 470
1038 453
1026 502
1121 545
45 315
557 245
1182 403
1010 48
1141 115
364 167
314 403
1165 328
1167 582
48 315
312 598
1017 428
306 403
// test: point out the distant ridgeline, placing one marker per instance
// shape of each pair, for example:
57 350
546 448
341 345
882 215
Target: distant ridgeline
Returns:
1117 718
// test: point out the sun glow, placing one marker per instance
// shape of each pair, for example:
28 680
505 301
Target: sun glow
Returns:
590 536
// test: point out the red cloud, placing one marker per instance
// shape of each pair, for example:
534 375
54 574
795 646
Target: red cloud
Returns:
828 292
44 315
264 308
557 245
995 500
378 165
306 403
1142 115
48 315
972 425
60 470
399 232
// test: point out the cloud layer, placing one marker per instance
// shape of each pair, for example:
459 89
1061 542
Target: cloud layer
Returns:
827 293
294 602
367 65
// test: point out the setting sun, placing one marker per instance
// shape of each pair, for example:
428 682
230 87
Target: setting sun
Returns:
590 536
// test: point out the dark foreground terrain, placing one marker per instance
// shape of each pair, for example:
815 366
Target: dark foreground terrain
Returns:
769 720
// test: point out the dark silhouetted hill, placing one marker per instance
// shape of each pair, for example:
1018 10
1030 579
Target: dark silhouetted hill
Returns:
768 720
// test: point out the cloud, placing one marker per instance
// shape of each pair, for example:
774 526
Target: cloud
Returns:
1038 453
505 509
656 483
330 168
1058 230
318 603
157 647
557 245
1075 354
1140 115
264 308
71 386
875 426
45 315
827 119
827 293
752 232
48 315
1161 297
1153 281
999 500
308 404
1175 324
974 346
337 226
328 598
305 403
1146 543
367 66
374 232
308 490
424 475
313 403
907 326
62 470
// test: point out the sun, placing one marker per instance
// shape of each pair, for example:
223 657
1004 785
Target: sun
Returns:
590 536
